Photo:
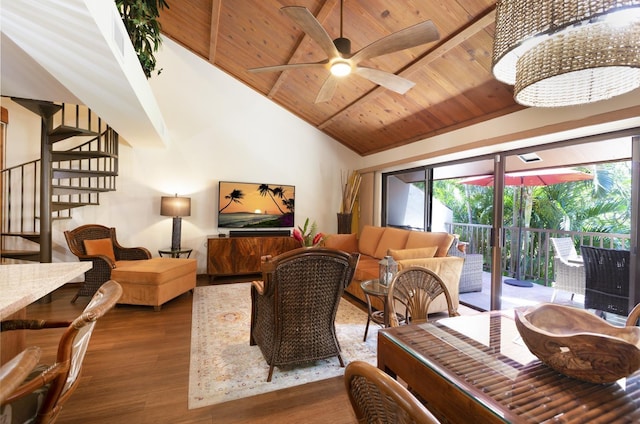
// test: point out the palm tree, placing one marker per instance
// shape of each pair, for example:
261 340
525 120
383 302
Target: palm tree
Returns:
289 204
264 189
234 196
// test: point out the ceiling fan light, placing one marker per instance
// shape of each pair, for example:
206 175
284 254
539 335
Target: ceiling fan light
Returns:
548 27
340 68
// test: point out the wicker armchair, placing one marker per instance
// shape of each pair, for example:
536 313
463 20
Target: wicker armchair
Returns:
293 309
41 397
415 288
103 257
471 276
607 279
378 398
569 271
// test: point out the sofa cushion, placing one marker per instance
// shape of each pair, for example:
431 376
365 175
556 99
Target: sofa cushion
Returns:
419 252
345 242
448 269
369 239
392 238
100 247
367 269
421 239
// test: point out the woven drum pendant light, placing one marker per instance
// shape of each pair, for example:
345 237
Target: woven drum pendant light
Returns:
562 53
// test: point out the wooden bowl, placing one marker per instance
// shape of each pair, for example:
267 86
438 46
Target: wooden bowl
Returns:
579 344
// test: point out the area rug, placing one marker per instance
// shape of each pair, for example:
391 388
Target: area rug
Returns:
224 367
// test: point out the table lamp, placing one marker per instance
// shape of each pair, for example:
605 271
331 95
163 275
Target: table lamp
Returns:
177 207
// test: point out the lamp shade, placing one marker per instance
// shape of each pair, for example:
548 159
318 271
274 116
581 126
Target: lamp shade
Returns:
175 206
562 53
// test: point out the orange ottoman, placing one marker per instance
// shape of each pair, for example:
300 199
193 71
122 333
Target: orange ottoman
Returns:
154 281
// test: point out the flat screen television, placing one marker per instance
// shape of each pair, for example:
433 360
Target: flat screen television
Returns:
254 205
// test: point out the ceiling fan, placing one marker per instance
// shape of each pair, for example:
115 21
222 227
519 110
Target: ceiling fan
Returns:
340 62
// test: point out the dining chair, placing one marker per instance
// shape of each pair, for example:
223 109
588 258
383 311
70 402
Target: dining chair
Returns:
415 288
14 372
634 316
41 397
377 398
293 309
607 279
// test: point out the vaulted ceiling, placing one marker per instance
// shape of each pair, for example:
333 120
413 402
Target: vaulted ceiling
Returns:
454 85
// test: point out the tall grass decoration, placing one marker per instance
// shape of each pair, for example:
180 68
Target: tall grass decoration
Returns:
350 186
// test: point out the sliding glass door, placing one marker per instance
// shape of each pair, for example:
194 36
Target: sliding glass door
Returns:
510 226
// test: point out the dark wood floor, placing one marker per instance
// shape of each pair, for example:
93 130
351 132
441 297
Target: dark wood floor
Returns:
137 371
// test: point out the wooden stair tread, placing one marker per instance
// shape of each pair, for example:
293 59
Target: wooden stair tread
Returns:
27 255
63 132
81 172
61 189
58 155
59 206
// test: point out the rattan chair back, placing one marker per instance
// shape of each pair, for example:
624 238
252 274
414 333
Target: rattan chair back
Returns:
63 376
415 288
607 279
634 316
14 372
293 313
378 398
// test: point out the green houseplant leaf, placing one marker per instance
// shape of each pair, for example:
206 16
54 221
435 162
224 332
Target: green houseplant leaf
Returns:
140 18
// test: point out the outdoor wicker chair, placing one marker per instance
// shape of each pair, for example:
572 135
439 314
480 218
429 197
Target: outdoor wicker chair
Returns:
378 398
607 279
472 269
293 309
41 397
415 288
98 244
568 267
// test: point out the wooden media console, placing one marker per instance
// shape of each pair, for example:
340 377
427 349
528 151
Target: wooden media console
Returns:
242 255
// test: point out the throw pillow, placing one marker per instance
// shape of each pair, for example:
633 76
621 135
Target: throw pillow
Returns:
417 253
100 247
344 242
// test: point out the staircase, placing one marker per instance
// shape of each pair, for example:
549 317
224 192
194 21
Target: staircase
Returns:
83 165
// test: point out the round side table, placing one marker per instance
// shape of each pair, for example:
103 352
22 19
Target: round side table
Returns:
374 288
174 253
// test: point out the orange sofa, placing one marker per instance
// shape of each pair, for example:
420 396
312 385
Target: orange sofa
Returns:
408 248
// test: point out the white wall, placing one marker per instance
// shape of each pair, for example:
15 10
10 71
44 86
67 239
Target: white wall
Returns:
219 130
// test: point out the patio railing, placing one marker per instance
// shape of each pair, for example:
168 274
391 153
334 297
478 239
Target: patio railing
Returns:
536 253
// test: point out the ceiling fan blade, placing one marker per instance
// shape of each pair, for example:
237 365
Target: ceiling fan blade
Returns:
386 79
328 88
422 33
310 25
276 68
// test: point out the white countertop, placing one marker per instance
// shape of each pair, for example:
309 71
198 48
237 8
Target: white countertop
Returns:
21 285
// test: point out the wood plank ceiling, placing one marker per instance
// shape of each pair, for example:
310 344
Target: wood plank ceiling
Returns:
454 85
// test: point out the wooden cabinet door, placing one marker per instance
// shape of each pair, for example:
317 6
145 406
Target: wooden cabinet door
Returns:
220 256
242 255
246 255
276 245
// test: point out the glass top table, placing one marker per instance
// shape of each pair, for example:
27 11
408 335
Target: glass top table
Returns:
477 369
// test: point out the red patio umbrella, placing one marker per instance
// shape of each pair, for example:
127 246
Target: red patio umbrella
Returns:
541 177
